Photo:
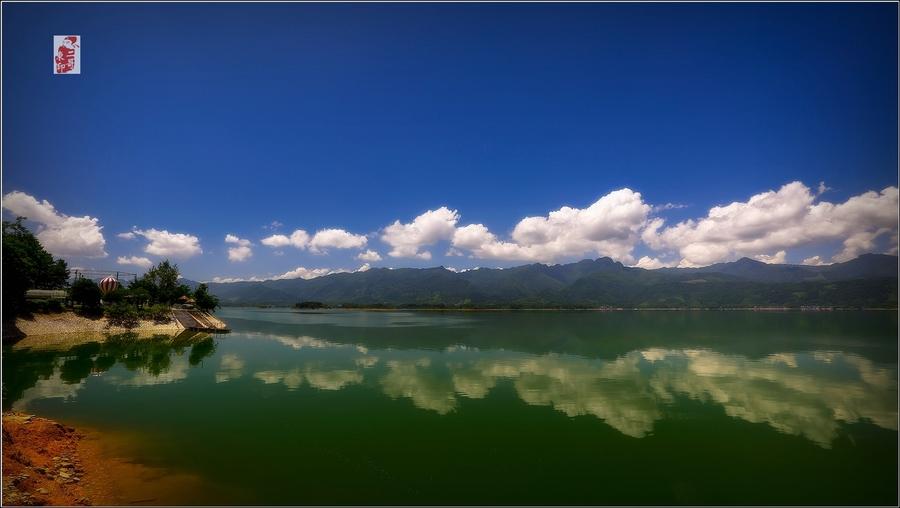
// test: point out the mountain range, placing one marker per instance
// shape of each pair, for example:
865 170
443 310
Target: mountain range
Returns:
867 281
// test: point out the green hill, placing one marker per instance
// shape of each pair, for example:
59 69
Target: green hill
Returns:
867 281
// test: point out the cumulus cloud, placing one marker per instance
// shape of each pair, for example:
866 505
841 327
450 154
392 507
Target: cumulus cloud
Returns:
241 250
609 227
653 263
299 239
775 259
324 239
276 241
335 238
815 261
308 273
163 243
408 240
62 235
297 273
127 236
369 255
134 260
773 221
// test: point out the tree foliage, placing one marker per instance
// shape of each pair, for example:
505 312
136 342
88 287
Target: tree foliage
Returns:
27 265
160 284
203 300
86 293
122 314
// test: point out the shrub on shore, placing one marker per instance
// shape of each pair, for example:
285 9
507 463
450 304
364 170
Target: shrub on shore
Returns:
159 313
86 293
44 306
122 314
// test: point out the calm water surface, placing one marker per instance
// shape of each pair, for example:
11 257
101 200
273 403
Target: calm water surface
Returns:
495 407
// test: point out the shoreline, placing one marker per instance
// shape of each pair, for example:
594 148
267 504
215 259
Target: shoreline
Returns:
70 323
46 462
571 309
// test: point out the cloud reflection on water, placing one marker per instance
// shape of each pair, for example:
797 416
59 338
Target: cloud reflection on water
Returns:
809 394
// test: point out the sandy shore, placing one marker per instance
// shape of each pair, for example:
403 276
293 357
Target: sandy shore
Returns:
69 322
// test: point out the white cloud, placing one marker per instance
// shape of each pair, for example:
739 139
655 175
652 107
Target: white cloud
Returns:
239 253
668 206
62 235
276 241
608 227
775 259
308 273
300 272
163 243
407 240
319 243
335 238
653 263
127 236
229 280
369 255
777 220
135 260
299 239
815 261
241 250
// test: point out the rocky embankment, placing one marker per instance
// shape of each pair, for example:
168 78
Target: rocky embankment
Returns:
69 322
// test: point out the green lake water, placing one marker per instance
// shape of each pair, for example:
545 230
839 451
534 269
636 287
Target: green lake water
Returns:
495 407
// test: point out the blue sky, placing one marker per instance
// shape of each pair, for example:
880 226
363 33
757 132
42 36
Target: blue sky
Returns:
209 120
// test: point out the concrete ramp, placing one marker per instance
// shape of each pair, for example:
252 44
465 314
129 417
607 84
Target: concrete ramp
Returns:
198 321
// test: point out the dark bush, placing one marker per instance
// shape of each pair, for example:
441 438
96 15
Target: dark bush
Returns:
36 306
119 295
159 313
122 314
86 293
139 296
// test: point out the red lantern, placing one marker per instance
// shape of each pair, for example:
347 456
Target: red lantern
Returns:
108 285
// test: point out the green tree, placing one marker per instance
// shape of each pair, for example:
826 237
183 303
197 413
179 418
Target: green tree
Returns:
120 294
139 296
203 300
26 265
86 293
161 283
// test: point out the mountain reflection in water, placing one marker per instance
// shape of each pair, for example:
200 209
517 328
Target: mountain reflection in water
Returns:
808 394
